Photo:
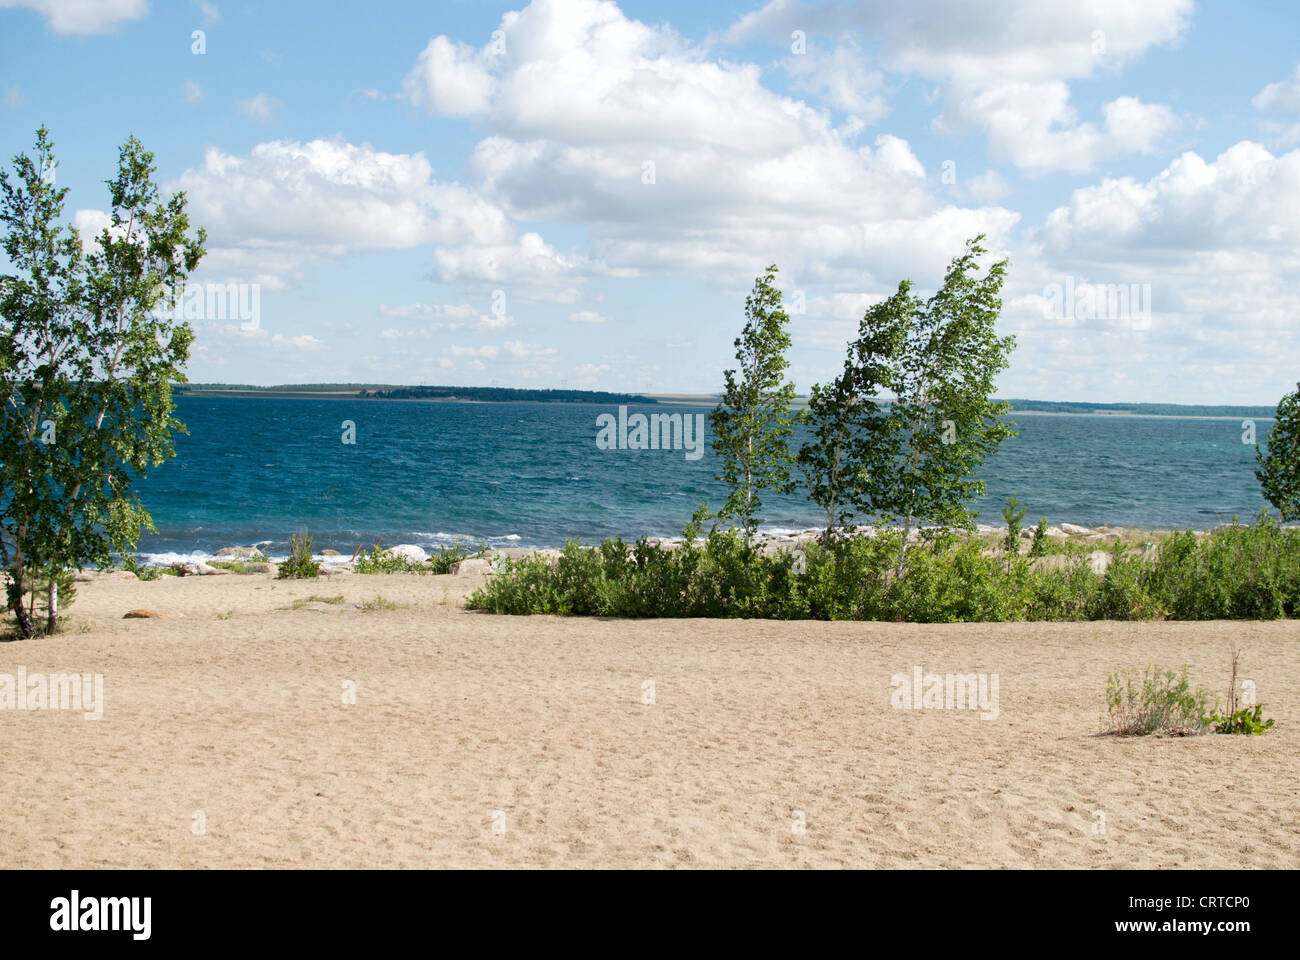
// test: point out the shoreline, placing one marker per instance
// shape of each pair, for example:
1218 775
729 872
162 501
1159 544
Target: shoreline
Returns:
767 540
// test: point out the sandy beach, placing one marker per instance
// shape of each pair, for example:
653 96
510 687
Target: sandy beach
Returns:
481 741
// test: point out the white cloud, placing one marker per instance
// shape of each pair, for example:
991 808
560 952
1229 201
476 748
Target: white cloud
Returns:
587 316
210 13
843 76
520 350
449 317
1033 126
192 92
1216 242
1006 70
84 16
672 160
261 107
449 79
487 351
286 204
302 342
1280 97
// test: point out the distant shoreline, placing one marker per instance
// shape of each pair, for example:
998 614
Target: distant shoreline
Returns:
359 391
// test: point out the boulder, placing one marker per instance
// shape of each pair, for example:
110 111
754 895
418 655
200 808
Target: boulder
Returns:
330 553
142 615
1074 530
472 566
409 551
1099 561
244 552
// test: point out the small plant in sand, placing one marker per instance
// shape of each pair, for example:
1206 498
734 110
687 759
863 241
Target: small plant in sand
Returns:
1238 717
131 564
379 603
1164 703
299 565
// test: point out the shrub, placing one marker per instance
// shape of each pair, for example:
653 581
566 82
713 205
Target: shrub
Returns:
131 563
1235 572
1165 703
377 560
299 565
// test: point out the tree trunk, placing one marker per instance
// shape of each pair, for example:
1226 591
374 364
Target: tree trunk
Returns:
902 551
52 613
21 613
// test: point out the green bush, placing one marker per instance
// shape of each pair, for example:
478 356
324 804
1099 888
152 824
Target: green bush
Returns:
299 565
1165 703
1235 572
131 563
1245 721
377 560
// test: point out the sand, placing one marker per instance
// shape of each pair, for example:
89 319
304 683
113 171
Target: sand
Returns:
481 741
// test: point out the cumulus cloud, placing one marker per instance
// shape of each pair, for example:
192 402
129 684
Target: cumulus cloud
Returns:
1280 97
84 16
1214 243
1006 71
673 160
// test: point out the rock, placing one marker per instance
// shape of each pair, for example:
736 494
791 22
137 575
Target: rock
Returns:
266 567
409 551
1099 561
1074 530
89 576
334 569
185 569
475 565
1027 533
248 552
1056 532
330 553
142 615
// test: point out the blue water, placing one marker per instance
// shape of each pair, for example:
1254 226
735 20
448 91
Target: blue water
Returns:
527 474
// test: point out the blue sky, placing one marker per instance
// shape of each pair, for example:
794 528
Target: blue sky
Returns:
579 193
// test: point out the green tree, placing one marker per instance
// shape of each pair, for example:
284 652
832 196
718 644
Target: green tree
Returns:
1013 515
849 429
88 352
940 358
752 425
1279 469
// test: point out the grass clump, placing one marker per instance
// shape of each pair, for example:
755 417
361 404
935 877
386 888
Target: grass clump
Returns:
299 565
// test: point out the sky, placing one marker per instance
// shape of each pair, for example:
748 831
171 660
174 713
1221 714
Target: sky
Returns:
579 194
